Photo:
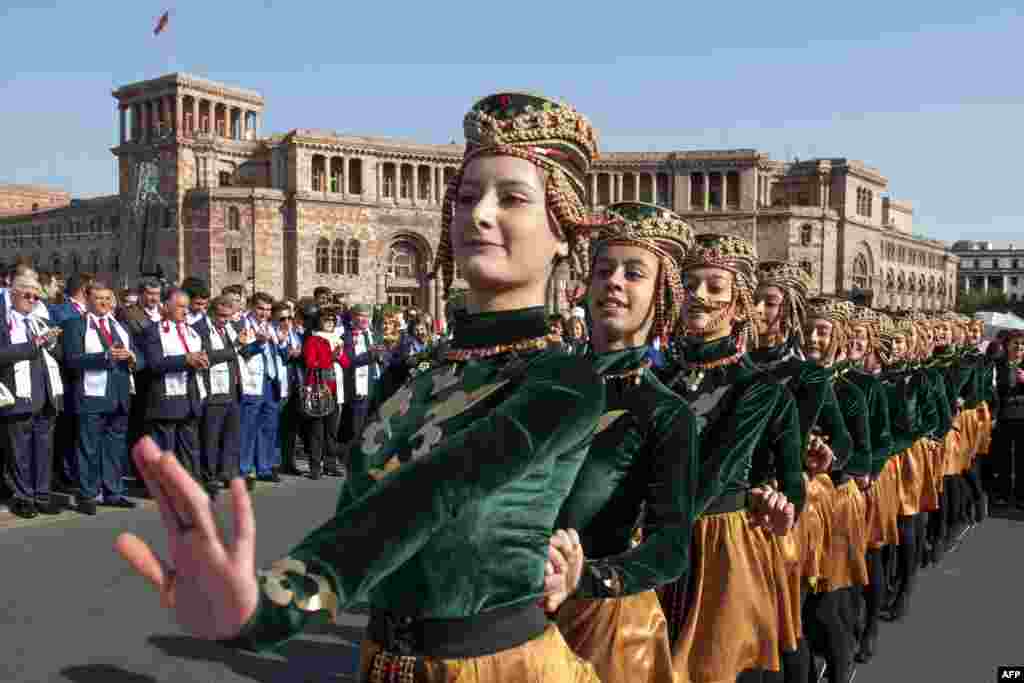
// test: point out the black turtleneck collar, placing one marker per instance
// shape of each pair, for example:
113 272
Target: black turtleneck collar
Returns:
500 327
697 351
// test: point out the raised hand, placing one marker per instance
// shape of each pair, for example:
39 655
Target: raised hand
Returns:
210 583
819 456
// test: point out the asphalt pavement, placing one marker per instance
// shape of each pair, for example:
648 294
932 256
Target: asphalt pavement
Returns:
73 611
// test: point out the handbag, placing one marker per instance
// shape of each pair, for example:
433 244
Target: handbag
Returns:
317 398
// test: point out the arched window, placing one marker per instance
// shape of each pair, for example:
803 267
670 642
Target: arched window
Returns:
806 235
403 260
168 217
234 218
860 271
352 257
323 256
338 257
35 207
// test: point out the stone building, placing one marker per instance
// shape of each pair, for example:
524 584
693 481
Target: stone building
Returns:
990 269
202 192
18 200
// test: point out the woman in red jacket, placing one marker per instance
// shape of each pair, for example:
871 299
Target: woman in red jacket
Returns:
324 356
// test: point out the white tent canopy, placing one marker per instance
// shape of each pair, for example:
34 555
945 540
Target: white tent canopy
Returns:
999 321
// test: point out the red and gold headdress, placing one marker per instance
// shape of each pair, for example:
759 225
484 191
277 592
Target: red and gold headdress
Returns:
550 134
795 283
738 256
664 234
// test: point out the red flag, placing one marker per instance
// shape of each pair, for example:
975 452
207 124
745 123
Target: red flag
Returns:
162 24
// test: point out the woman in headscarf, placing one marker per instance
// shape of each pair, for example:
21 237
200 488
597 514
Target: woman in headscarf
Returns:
444 524
645 462
727 623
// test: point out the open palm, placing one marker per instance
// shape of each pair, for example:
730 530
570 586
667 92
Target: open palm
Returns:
210 584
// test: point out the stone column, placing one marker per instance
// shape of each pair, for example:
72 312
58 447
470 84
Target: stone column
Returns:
195 116
706 190
415 194
617 195
724 199
432 299
380 180
680 191
654 188
593 190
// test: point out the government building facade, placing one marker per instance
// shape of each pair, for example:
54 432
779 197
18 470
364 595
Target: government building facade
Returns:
985 268
203 192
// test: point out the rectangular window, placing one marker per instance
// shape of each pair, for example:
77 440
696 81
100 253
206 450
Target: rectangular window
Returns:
234 259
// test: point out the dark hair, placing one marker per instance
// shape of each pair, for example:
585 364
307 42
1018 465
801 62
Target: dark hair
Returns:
278 307
262 298
172 292
222 301
232 289
321 290
197 290
149 283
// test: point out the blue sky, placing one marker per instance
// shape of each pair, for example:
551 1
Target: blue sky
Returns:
929 93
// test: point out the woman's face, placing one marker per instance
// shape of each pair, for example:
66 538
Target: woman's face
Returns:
818 339
943 334
327 323
621 299
859 344
709 309
1015 349
769 300
579 330
502 236
899 347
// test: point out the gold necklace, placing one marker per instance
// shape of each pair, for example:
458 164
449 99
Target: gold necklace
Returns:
534 344
633 375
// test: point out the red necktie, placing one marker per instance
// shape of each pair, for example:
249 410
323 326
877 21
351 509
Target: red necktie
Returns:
106 332
181 336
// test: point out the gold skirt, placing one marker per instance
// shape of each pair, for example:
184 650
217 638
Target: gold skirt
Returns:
844 563
786 554
912 478
883 507
954 446
810 529
985 428
626 639
543 659
732 622
821 490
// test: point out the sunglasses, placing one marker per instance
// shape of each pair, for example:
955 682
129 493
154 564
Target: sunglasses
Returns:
31 296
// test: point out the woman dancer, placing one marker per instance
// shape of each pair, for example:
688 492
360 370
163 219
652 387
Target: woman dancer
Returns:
724 622
646 460
456 482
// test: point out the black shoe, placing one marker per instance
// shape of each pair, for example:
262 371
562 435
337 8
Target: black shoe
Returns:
119 502
867 648
87 507
25 509
48 507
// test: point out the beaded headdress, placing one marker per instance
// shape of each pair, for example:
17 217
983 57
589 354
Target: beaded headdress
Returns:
664 234
738 256
549 134
870 320
795 283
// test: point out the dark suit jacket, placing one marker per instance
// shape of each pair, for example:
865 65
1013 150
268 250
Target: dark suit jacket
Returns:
160 406
61 314
14 353
226 355
359 361
118 397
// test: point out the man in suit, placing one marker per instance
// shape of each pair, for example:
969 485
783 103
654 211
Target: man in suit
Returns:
101 356
176 361
366 357
264 386
76 304
220 427
31 376
290 347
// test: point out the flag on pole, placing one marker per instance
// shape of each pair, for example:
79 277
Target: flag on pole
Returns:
162 23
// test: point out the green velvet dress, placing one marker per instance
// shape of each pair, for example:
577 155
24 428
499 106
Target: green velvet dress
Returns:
644 460
853 404
748 422
454 488
812 387
911 414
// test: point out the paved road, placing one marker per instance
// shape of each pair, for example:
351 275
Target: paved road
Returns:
71 610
